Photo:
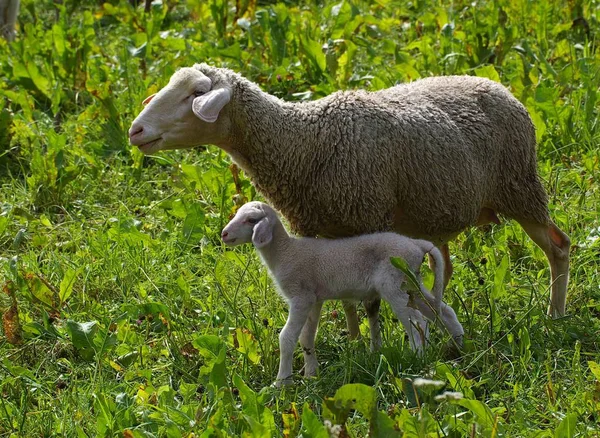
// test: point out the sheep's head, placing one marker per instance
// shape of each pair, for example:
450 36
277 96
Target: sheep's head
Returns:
252 223
187 112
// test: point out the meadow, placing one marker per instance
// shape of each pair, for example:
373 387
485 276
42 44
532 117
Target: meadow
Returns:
125 315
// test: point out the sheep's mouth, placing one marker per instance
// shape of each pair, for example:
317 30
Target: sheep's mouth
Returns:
148 148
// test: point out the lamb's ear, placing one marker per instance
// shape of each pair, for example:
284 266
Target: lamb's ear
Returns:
208 106
263 233
148 99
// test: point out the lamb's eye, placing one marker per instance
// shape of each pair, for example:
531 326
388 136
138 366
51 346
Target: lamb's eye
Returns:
199 93
252 221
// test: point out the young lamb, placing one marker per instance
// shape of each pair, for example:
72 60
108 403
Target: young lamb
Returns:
9 9
425 159
308 271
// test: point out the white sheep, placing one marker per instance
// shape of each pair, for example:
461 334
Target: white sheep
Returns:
425 159
308 271
9 9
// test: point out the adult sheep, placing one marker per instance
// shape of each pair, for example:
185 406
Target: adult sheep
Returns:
425 159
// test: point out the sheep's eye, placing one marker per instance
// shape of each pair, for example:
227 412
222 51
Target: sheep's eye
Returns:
252 221
199 93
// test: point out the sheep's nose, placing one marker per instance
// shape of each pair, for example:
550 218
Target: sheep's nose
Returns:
135 130
224 234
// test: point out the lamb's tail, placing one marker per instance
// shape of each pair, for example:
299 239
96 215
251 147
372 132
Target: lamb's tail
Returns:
438 282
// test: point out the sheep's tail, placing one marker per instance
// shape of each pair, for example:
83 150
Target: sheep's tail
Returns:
438 283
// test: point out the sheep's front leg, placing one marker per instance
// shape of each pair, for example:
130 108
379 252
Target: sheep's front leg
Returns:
351 319
307 340
300 308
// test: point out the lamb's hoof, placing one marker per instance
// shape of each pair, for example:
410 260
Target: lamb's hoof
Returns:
281 383
310 373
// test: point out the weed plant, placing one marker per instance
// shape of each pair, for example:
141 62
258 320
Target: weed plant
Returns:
123 313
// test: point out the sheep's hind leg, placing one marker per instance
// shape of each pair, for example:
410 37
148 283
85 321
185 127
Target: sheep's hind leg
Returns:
372 307
555 245
351 319
307 340
288 338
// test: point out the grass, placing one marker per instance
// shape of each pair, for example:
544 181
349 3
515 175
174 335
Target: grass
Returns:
125 315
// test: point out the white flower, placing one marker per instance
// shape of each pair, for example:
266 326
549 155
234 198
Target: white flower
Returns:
419 382
448 395
334 430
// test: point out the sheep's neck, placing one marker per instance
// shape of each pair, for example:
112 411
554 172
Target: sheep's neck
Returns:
278 246
267 136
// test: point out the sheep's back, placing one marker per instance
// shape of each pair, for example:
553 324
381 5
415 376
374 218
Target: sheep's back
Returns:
422 158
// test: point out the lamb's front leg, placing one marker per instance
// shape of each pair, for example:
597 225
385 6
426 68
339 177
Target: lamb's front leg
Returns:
307 340
300 308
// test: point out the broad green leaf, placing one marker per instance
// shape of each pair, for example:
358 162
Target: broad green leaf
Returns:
58 36
213 349
483 414
193 224
357 396
499 278
247 345
3 224
488 71
30 70
82 333
66 285
401 264
567 426
257 415
311 425
595 369
40 290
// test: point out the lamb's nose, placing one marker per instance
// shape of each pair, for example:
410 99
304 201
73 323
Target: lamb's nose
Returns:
135 131
224 234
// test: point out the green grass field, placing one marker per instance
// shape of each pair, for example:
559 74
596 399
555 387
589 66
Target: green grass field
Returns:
123 313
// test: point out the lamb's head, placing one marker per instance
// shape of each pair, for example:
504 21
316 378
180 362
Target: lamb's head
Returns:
189 111
253 222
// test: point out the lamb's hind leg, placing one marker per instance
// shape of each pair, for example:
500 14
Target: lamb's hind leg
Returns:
412 319
307 340
555 245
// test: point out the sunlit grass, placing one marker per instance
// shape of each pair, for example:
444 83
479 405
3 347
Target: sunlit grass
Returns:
165 332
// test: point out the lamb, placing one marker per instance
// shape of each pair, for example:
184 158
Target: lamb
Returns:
425 159
9 9
308 271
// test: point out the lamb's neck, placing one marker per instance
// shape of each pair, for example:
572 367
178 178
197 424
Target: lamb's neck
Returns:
276 250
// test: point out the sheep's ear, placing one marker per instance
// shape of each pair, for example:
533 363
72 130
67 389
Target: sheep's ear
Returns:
263 233
148 99
208 106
